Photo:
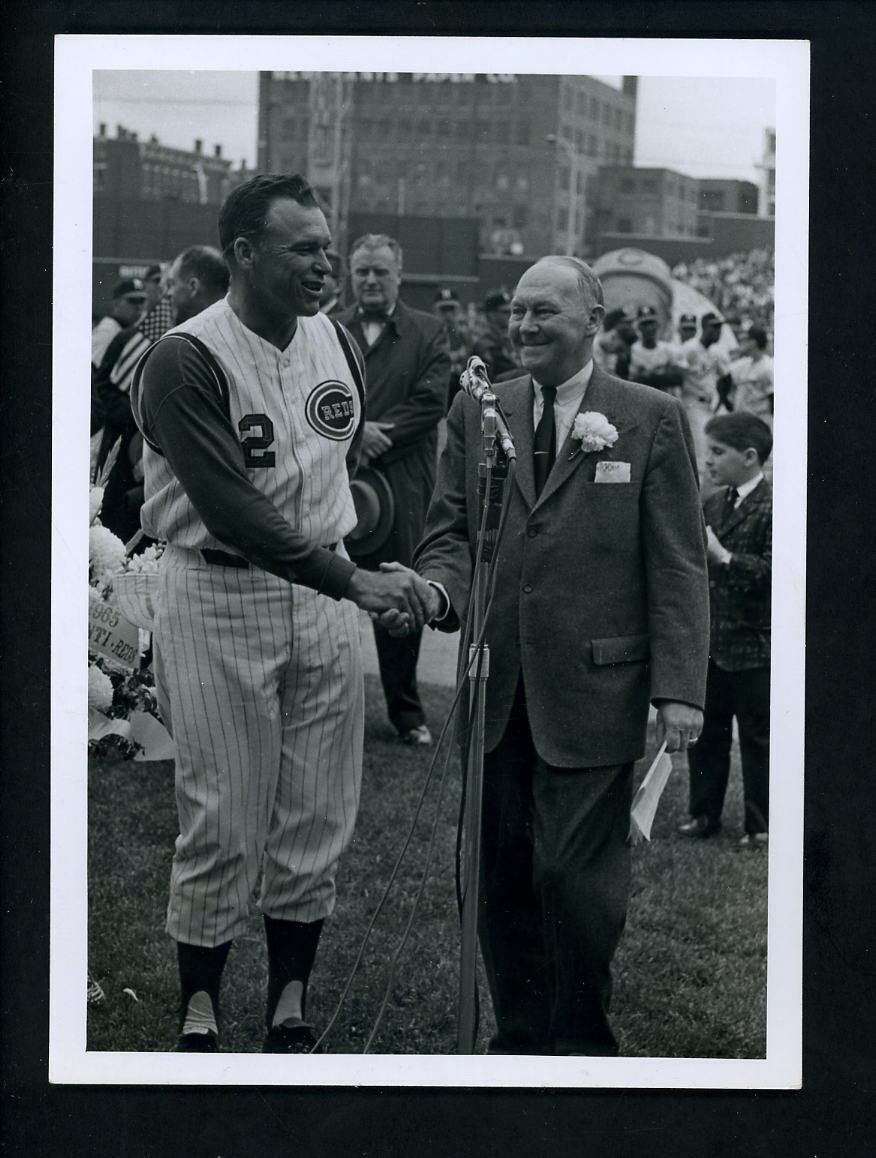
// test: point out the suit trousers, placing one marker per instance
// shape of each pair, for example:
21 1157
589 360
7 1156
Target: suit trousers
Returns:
555 875
398 674
745 695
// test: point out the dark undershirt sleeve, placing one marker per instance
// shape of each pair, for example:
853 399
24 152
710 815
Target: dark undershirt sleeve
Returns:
180 412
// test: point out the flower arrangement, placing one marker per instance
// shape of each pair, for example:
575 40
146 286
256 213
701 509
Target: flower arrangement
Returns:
122 709
594 432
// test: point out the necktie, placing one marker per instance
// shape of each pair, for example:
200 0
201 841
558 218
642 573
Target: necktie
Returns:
544 446
730 502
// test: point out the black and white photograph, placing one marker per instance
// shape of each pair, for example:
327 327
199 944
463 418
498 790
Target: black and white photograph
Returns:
441 513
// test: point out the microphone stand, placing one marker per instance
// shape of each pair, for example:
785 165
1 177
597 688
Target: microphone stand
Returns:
492 474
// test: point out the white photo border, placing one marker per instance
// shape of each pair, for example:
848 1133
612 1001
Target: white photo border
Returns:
76 57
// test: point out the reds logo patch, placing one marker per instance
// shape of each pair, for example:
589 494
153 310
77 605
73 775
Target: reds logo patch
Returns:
330 410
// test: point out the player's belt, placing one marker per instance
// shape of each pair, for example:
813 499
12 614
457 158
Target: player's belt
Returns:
225 559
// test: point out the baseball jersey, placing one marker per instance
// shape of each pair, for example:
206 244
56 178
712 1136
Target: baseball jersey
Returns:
703 366
254 454
646 361
754 385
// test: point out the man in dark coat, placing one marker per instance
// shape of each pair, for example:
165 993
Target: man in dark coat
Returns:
601 608
407 366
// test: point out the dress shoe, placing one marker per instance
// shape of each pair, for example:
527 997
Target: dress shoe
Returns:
698 826
290 1039
417 736
197 1043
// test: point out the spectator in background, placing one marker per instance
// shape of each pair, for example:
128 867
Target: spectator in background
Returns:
706 380
197 278
129 300
652 361
493 344
407 368
611 349
740 285
752 374
330 299
159 308
447 308
739 529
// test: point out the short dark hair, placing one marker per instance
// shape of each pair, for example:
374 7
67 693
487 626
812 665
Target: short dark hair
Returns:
207 265
758 335
245 209
742 430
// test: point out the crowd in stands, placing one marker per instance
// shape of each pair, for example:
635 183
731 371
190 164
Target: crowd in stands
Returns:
740 286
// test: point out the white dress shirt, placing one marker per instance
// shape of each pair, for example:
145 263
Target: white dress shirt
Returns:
745 489
570 395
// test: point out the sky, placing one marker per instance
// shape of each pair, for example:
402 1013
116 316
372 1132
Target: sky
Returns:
704 127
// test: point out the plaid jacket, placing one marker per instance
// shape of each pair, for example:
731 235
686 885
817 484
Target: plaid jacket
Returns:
739 591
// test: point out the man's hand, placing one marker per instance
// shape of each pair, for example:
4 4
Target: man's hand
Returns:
679 724
400 623
715 551
394 589
374 441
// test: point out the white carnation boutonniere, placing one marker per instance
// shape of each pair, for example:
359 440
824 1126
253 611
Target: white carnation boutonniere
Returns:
594 432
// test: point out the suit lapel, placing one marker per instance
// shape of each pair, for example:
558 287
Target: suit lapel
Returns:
601 398
516 400
749 504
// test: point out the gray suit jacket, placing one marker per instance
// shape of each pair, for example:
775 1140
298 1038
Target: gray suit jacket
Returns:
602 599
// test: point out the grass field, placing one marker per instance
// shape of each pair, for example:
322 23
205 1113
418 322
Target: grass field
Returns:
690 975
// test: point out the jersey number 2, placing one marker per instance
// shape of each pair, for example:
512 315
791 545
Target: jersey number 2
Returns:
256 435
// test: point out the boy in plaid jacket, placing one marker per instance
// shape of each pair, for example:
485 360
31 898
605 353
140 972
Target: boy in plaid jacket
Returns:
739 528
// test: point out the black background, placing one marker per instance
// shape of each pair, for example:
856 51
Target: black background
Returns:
832 1114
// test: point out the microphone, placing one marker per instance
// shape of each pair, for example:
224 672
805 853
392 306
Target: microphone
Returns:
476 384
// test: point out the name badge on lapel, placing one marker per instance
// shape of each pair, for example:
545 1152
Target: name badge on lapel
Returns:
612 472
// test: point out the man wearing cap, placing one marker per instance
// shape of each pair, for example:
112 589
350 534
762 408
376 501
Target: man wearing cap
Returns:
652 361
448 309
493 345
706 380
687 328
129 300
407 368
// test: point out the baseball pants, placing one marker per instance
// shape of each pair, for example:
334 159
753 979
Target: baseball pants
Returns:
260 684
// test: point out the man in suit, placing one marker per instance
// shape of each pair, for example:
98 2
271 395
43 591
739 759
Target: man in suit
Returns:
407 367
739 520
601 608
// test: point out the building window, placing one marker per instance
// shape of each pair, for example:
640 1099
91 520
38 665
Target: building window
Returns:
594 107
520 216
649 184
628 185
624 225
562 217
522 133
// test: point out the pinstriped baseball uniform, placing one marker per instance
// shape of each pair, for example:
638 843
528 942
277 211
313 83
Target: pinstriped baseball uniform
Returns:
258 665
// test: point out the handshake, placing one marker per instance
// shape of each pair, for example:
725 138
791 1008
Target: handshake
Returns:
396 597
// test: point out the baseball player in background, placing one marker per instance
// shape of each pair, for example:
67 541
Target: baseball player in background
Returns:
252 415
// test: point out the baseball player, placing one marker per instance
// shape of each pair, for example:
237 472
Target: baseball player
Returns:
251 412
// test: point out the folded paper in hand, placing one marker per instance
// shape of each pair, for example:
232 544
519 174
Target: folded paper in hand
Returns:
648 797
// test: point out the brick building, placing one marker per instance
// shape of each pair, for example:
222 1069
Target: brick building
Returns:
520 153
652 202
125 166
